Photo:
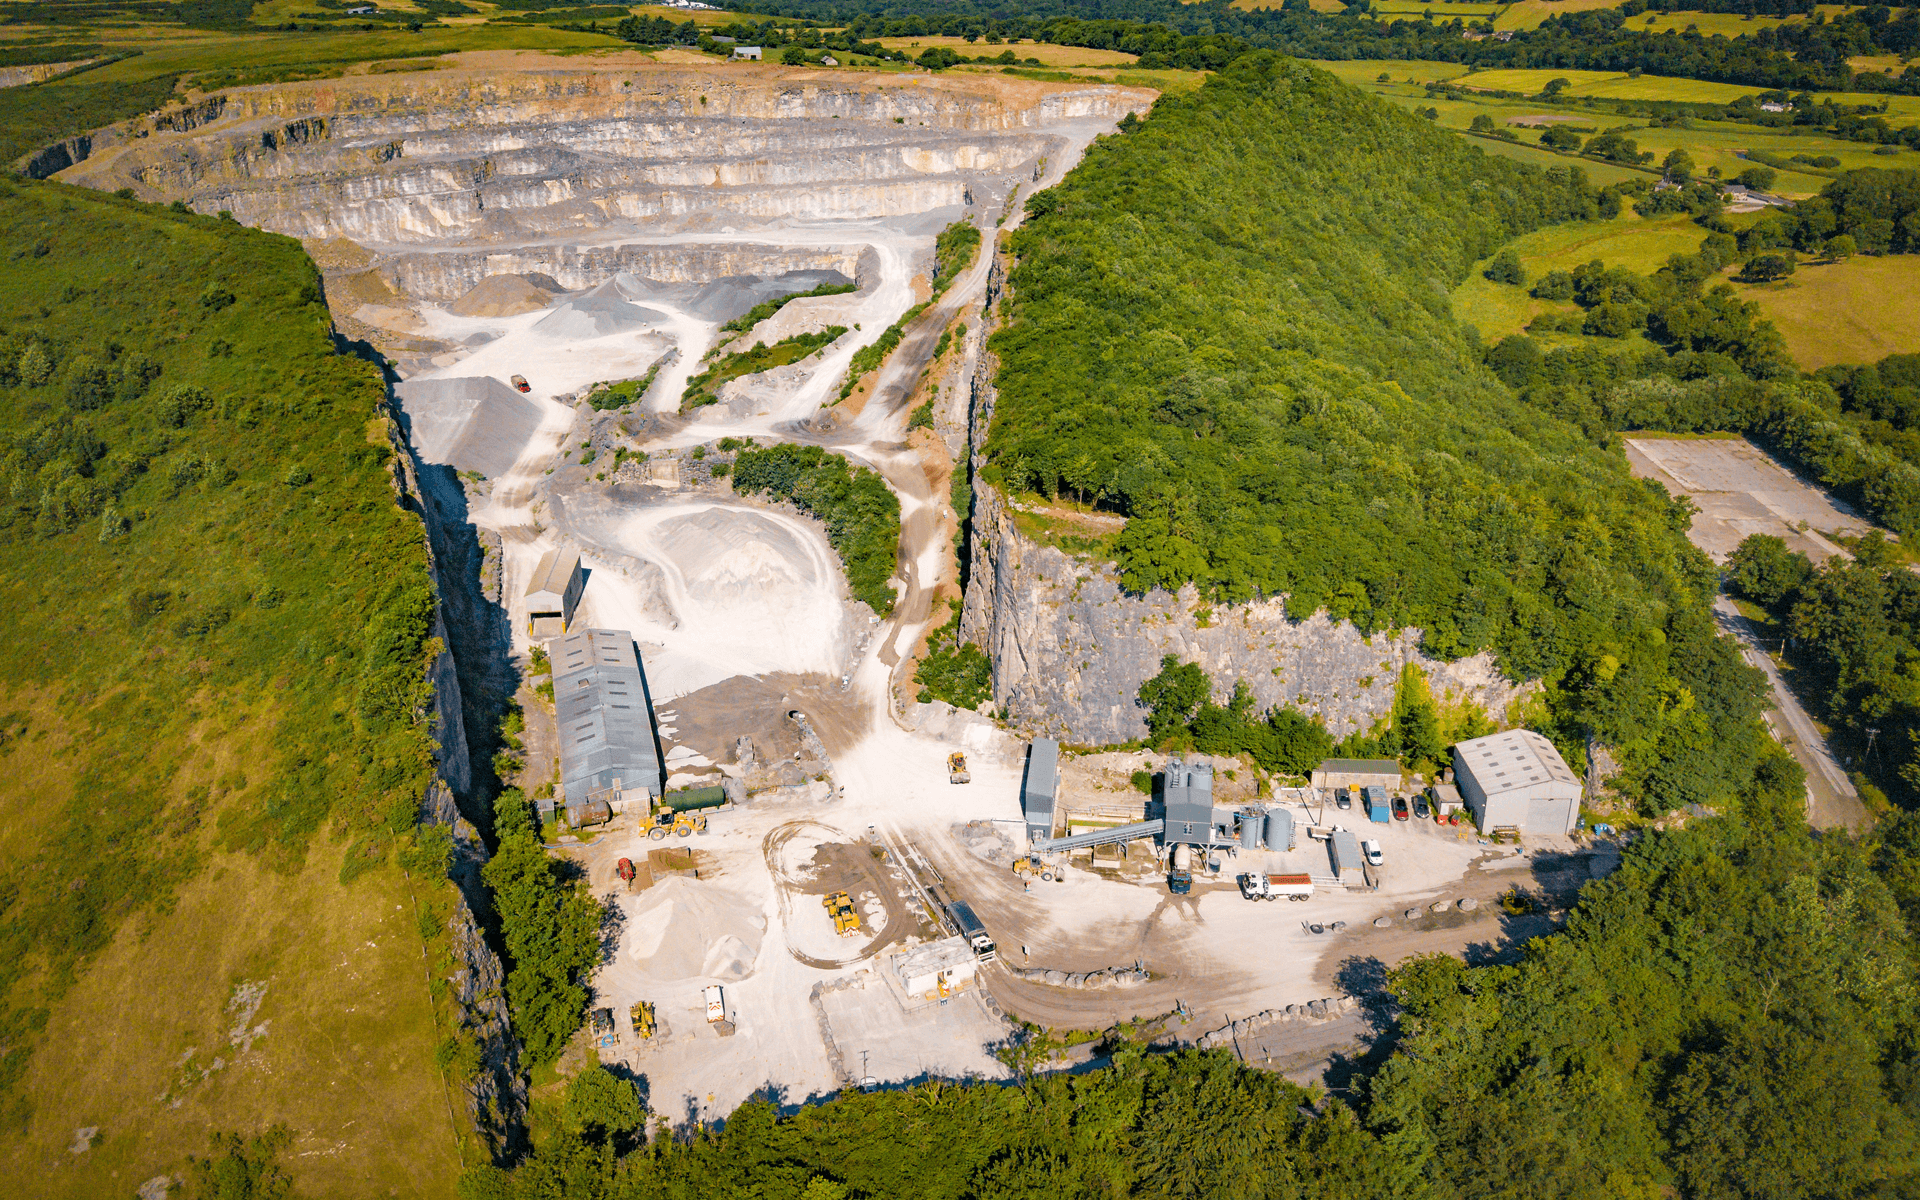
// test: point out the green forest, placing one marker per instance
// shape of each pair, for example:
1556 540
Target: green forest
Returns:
1253 358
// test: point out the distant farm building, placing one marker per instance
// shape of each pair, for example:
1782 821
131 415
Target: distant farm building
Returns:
1342 773
1517 780
554 592
752 52
607 747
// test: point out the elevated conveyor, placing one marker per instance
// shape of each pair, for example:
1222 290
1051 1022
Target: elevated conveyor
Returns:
1099 837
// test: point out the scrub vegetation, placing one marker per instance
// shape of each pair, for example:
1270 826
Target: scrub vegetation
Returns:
765 309
703 389
861 515
955 671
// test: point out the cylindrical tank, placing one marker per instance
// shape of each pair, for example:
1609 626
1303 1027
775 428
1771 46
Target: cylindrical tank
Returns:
1279 829
1183 857
1250 824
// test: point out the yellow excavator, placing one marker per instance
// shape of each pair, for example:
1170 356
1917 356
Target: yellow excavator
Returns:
643 1023
846 919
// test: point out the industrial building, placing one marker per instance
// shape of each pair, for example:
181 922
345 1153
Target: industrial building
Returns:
1357 772
1517 780
937 968
605 721
1187 805
1039 788
554 592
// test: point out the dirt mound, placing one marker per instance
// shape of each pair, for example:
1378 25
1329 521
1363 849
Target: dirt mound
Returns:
592 316
505 296
474 423
684 929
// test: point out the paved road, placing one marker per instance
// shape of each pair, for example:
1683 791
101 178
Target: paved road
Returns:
1832 801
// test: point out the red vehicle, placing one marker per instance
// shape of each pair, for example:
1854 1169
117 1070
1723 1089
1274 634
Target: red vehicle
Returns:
520 382
625 869
1400 808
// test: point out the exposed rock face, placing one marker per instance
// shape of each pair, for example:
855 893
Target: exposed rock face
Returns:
495 156
1071 648
496 1094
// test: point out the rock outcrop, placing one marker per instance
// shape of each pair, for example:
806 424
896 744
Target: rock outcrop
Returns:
1071 647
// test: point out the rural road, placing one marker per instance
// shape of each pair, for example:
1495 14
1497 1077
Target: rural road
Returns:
1832 801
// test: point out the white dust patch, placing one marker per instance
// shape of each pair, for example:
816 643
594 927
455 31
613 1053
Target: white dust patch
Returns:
748 592
716 934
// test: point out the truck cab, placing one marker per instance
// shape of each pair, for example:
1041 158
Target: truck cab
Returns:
1179 881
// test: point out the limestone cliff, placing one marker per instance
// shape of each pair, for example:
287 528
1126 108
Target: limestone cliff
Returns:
1070 646
518 155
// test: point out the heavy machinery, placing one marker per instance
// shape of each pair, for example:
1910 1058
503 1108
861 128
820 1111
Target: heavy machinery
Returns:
1031 865
957 768
846 918
1273 887
520 384
603 1031
624 869
644 1025
679 824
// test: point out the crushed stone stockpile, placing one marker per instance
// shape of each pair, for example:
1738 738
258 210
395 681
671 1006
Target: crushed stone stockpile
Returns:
507 296
716 933
474 423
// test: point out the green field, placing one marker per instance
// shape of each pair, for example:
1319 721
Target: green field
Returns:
1857 311
1721 144
1498 309
1619 86
1366 72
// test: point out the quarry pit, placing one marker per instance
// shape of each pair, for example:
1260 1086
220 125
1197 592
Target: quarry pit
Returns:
573 225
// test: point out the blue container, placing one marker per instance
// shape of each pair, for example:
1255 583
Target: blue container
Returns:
1379 808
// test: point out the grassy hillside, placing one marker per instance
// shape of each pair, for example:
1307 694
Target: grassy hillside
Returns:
212 679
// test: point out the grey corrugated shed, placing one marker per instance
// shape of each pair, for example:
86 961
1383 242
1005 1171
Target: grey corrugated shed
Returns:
1344 849
1041 785
600 707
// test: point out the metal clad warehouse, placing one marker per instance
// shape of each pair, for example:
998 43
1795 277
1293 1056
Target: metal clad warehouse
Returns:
607 751
1517 780
553 592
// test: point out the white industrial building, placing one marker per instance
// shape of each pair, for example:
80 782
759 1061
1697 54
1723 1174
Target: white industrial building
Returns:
940 968
1517 780
554 592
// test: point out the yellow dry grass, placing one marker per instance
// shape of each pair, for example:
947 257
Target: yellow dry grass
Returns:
1528 14
1049 56
1359 72
1857 311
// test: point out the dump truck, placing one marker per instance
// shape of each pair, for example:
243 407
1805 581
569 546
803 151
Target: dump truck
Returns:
679 824
1273 887
520 384
957 768
644 1025
624 869
716 1003
973 931
846 918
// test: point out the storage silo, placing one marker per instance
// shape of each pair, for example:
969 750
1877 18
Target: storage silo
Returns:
1251 824
1279 829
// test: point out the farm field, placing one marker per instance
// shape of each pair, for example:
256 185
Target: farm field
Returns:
1366 72
1442 11
1049 56
1601 173
1528 14
1498 309
1617 86
1840 312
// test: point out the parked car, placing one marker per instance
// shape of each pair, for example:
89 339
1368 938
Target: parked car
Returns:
1344 799
1371 849
1420 807
1400 808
